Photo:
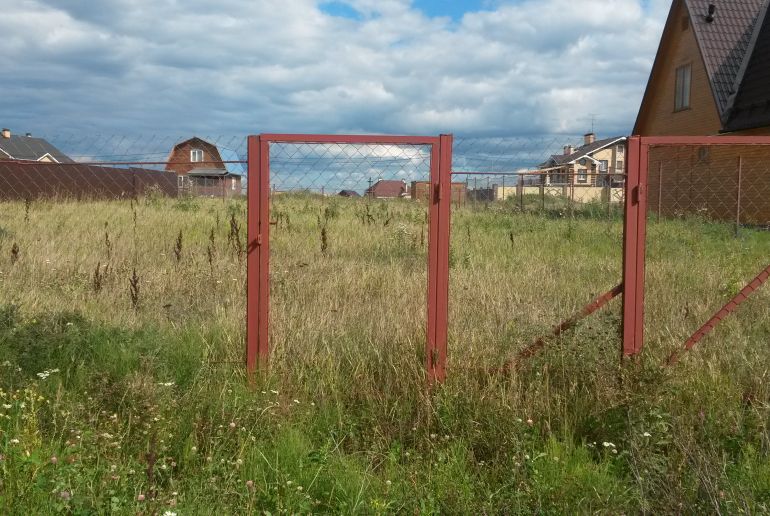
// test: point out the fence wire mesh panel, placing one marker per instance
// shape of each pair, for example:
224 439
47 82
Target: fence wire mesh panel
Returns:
707 239
348 254
143 233
536 247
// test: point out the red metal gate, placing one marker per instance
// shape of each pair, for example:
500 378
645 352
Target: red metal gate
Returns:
638 205
258 282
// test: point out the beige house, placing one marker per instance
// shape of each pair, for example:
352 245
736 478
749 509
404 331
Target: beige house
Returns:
586 173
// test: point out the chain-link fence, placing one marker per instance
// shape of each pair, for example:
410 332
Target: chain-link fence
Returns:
708 211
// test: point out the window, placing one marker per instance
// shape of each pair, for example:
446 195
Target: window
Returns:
619 166
621 149
683 83
196 155
582 176
603 165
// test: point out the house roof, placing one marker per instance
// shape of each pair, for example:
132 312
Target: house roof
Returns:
387 188
349 193
751 105
30 149
581 152
211 172
724 42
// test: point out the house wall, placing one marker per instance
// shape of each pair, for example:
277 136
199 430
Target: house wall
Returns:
420 190
179 160
657 116
212 186
704 180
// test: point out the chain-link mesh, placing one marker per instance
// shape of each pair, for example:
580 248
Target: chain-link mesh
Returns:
707 238
134 232
538 239
348 249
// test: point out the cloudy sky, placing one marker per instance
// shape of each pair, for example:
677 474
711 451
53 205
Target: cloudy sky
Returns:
471 67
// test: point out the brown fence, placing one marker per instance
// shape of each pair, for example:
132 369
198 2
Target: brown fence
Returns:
79 181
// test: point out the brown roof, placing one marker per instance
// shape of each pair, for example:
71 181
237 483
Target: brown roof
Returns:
751 106
724 41
387 188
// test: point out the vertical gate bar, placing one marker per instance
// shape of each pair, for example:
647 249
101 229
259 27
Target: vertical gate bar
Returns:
433 246
442 275
252 257
630 247
738 209
641 248
263 239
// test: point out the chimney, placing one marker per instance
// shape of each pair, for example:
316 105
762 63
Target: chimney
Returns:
568 149
589 138
6 133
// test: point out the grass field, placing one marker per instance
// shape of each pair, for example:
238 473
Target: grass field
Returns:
122 389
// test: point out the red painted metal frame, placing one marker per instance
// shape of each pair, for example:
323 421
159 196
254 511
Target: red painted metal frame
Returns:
635 233
258 282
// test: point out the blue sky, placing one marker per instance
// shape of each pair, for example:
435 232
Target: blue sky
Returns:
455 9
485 68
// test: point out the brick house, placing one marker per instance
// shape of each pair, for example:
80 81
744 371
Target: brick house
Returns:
388 189
575 166
200 170
712 71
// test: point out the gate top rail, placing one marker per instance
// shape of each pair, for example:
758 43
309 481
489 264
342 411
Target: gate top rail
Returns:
367 139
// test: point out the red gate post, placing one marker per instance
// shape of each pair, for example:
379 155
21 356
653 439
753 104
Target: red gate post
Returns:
634 246
438 259
258 249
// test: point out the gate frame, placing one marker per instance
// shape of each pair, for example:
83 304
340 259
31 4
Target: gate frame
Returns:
635 225
258 241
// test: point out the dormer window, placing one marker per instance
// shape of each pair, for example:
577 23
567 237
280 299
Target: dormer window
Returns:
683 83
196 155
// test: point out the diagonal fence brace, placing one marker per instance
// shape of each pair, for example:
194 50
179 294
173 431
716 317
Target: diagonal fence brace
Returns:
726 310
565 326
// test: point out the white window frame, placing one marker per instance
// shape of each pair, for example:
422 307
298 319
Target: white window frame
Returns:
604 165
196 153
582 176
683 87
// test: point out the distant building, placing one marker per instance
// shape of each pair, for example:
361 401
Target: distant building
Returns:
421 191
349 193
585 165
201 171
388 189
27 148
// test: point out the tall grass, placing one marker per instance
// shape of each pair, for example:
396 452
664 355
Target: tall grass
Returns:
130 397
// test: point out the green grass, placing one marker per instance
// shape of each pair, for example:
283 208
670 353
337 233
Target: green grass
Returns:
111 408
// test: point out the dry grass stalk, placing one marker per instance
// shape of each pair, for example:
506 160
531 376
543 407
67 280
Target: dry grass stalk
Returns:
178 247
234 237
134 289
14 253
27 207
98 278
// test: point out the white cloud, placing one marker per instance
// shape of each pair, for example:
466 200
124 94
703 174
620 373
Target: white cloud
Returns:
241 66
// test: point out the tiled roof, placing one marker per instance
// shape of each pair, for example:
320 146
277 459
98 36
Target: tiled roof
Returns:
724 41
585 150
30 149
751 107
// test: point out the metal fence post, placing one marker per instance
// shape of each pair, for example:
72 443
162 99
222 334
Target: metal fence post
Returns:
634 245
258 253
438 259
